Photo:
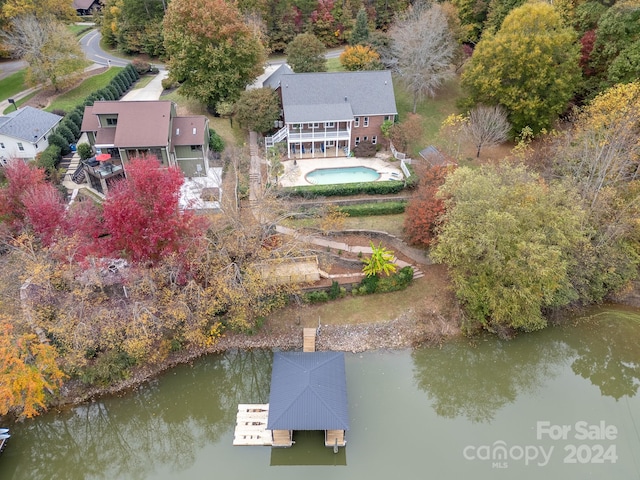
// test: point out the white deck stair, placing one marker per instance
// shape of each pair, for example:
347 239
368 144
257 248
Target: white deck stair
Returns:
278 137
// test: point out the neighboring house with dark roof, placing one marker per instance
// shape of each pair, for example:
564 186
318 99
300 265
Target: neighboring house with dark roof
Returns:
273 80
87 7
328 114
126 130
24 133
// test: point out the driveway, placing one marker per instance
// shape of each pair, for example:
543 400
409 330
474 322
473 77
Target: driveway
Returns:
151 91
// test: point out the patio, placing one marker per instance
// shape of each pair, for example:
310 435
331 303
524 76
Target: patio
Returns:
295 171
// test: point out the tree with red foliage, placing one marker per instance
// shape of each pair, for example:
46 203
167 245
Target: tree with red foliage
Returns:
45 211
20 178
586 47
425 209
142 214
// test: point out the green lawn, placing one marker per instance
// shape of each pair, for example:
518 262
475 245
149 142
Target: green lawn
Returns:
222 126
432 110
69 100
143 81
12 84
20 102
78 30
334 65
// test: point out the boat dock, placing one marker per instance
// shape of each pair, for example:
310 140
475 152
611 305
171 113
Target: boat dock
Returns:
251 425
309 340
308 392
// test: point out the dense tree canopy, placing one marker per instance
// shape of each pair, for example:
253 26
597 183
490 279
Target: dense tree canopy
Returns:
50 49
530 67
423 212
305 53
258 109
600 154
615 56
134 26
142 216
508 239
211 50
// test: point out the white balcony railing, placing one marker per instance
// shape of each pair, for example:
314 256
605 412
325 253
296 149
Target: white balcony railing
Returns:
319 135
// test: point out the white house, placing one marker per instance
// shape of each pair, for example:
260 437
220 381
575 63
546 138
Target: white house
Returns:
24 133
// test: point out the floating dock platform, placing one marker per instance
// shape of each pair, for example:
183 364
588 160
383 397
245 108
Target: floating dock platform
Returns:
251 426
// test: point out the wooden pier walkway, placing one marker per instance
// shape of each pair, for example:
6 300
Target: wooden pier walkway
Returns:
309 340
251 425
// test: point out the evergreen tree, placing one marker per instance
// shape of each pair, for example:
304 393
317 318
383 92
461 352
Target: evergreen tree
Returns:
360 34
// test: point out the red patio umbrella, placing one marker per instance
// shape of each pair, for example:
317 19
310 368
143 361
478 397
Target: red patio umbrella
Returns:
103 157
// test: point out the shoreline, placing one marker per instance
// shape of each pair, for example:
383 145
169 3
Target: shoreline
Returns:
400 333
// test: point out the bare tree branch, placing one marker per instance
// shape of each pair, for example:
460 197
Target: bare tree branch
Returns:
487 126
52 52
422 49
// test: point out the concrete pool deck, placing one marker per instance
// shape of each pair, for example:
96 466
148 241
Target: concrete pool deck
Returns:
294 175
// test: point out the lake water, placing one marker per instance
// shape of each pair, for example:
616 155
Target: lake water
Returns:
482 410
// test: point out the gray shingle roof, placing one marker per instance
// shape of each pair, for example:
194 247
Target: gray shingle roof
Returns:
28 123
274 79
367 93
319 113
308 392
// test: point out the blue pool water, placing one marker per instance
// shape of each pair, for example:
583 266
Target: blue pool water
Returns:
331 176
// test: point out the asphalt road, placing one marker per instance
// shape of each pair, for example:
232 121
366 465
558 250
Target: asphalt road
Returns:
90 44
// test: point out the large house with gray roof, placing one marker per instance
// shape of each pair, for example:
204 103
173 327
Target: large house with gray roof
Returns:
24 133
328 114
125 130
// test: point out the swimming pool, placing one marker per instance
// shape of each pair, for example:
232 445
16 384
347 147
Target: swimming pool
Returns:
331 176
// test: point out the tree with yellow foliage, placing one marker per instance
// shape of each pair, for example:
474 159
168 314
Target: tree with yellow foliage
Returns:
50 49
530 67
29 373
360 57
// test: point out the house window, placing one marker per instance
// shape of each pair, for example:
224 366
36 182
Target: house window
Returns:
331 143
374 139
296 126
365 138
112 121
356 122
387 118
20 147
357 141
366 121
314 125
329 124
196 147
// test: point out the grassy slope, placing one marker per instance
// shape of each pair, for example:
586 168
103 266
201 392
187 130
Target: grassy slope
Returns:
12 84
67 101
231 135
432 110
387 223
